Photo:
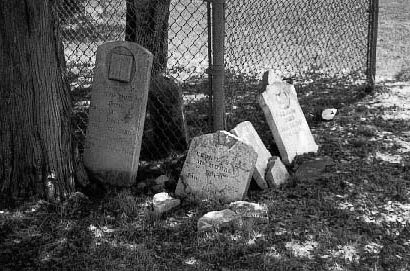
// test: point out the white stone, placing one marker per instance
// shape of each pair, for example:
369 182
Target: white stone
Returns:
286 121
250 211
163 202
329 114
247 133
117 112
277 173
217 166
217 220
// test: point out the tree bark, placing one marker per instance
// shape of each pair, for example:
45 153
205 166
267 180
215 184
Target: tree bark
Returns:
36 157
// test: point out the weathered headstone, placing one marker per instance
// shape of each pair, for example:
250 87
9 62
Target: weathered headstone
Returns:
247 133
218 166
286 120
117 112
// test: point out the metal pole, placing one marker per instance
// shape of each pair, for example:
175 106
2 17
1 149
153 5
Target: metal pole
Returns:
372 43
210 94
218 67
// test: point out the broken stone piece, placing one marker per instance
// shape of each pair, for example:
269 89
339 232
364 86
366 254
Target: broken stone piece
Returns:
247 133
250 211
329 114
163 202
217 220
276 173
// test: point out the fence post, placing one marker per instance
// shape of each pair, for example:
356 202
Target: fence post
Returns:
372 43
217 67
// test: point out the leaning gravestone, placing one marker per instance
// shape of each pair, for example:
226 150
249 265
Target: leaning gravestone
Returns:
285 119
248 134
117 112
218 166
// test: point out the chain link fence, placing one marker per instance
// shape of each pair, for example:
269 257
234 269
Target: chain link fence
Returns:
308 42
87 24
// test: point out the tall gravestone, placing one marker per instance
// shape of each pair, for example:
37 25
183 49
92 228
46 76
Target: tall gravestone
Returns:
117 112
285 119
217 166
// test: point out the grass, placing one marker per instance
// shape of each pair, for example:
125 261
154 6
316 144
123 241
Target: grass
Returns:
356 216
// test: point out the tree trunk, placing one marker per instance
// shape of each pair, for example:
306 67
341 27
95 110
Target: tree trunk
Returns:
35 130
165 128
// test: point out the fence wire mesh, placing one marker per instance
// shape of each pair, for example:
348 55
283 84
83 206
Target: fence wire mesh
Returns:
308 42
305 41
87 24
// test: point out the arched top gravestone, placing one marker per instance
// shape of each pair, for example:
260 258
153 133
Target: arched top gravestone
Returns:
285 118
117 112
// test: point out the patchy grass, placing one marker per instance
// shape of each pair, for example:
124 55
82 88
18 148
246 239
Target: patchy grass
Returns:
355 217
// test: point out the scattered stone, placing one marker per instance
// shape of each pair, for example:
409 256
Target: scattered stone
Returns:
286 120
312 169
163 202
217 220
117 112
161 180
217 166
247 133
250 211
329 114
276 173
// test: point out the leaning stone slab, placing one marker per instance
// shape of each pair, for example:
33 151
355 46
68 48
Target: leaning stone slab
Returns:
277 173
247 133
286 121
117 112
163 202
218 166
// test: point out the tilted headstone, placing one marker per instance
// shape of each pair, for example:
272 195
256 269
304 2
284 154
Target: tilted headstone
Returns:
286 121
117 112
247 133
217 166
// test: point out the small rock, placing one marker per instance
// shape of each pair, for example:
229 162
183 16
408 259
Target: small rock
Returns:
161 180
250 211
163 202
276 172
157 188
329 114
217 220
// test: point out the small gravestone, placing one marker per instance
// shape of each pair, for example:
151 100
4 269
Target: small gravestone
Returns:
247 133
117 112
218 166
276 173
286 120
